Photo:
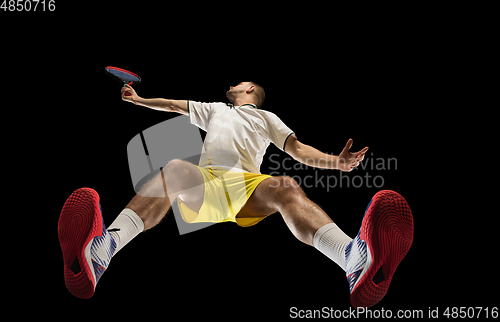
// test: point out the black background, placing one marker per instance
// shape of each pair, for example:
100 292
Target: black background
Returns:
385 82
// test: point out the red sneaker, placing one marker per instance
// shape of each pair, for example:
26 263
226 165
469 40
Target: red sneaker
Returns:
86 244
385 236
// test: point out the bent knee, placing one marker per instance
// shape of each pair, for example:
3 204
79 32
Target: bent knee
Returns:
177 168
181 175
174 164
285 188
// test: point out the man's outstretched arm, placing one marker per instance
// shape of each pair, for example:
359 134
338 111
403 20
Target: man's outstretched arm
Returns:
306 154
159 104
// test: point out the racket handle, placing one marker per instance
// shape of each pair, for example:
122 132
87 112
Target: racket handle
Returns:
128 93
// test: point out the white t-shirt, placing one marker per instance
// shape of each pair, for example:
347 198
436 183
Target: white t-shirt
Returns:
237 137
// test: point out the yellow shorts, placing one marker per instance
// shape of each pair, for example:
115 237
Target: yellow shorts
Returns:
225 194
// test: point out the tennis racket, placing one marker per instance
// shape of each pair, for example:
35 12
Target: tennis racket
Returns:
123 76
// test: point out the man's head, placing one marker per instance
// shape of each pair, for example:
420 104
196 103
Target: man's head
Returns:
246 92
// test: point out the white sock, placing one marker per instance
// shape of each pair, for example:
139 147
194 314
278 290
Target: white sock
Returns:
128 225
332 241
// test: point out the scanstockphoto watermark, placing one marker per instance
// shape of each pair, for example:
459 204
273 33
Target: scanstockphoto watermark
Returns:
350 313
371 178
454 312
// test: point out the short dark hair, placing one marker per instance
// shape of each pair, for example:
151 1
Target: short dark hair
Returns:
259 93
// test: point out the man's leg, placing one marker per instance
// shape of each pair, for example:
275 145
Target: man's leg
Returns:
88 246
282 194
178 179
370 260
154 199
306 220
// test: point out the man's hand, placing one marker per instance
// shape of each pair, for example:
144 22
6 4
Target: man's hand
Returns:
133 95
348 160
310 156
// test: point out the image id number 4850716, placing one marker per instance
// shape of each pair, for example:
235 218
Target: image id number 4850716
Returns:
28 5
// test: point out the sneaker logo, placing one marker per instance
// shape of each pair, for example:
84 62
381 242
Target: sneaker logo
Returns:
102 250
353 278
356 258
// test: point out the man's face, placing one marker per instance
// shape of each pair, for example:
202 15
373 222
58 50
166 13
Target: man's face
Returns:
234 91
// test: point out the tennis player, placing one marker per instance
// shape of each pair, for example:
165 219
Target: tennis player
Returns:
227 186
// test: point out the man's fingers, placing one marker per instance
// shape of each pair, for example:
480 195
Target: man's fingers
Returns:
352 159
348 145
126 87
363 151
360 153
